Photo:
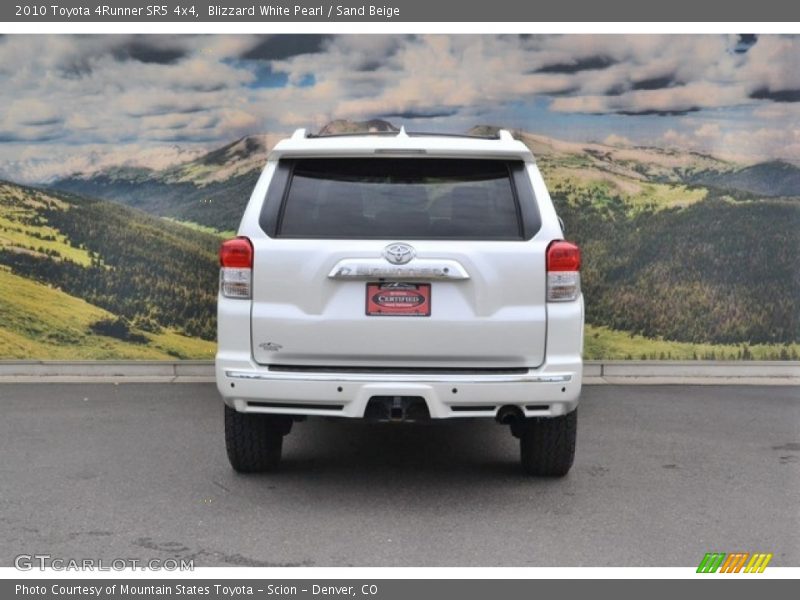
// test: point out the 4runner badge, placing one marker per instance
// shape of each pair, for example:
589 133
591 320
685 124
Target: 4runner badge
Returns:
270 346
399 254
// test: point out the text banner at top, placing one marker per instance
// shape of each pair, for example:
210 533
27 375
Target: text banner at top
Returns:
462 11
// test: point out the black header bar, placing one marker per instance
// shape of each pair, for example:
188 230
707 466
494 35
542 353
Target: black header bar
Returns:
344 11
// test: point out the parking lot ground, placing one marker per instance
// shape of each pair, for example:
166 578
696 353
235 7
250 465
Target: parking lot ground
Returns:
663 474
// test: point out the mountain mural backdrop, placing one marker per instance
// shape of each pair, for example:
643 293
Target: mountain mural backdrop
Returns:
687 255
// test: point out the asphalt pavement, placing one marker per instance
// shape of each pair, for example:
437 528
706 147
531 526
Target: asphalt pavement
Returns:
663 474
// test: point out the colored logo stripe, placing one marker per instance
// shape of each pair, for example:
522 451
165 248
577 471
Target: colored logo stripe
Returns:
758 563
711 562
734 562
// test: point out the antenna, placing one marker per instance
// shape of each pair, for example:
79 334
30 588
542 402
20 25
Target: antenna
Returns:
402 133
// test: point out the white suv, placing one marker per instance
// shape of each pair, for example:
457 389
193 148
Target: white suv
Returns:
400 277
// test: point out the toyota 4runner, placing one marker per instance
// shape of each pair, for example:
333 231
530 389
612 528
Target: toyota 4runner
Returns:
400 277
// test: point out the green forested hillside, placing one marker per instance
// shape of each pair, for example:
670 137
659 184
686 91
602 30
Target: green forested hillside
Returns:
211 190
149 275
218 205
717 271
772 178
38 321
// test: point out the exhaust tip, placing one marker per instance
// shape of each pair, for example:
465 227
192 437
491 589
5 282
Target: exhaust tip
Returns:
509 414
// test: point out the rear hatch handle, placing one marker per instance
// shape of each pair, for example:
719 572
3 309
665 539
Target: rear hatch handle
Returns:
418 268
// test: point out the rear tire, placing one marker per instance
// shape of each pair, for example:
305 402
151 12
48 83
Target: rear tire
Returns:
547 444
254 442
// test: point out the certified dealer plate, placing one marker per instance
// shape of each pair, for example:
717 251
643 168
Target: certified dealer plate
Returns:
399 299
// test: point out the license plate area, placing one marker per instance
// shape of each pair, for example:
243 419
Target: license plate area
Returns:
398 299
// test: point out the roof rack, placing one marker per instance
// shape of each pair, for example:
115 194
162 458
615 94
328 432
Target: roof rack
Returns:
352 133
501 134
474 136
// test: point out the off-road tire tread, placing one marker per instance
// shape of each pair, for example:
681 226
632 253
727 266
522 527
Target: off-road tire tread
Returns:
547 444
254 442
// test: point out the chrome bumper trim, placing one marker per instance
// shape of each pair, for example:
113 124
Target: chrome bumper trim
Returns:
379 378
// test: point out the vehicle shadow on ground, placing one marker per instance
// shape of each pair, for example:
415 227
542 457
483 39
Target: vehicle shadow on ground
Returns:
396 455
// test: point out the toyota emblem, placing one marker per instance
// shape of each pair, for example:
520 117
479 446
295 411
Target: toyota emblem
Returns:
399 254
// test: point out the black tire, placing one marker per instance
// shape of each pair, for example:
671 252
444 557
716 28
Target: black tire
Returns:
547 444
254 442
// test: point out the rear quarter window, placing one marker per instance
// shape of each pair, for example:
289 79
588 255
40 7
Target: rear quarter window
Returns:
399 198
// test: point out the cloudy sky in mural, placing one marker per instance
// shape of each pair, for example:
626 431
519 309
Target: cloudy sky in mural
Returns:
76 102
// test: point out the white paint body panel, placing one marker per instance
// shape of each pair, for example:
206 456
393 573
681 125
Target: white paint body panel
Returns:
495 317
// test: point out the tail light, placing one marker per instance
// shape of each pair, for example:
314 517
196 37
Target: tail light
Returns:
563 271
236 272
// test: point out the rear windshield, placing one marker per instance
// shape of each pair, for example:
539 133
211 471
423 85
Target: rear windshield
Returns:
408 198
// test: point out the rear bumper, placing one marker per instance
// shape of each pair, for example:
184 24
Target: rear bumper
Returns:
550 390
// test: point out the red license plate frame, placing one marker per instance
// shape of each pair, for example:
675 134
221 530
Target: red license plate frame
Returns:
398 299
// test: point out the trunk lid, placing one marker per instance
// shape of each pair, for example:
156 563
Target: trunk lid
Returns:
464 227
